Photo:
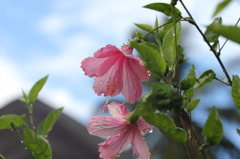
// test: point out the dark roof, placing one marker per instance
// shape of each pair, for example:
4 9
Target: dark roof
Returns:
69 139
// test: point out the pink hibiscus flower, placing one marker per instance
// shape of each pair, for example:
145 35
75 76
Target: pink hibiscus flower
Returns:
120 132
116 71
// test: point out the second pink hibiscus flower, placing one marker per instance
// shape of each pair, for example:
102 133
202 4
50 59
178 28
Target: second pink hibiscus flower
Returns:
116 71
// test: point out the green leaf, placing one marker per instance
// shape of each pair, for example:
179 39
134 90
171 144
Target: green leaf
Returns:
145 27
2 157
151 57
25 98
191 73
164 8
38 144
146 108
188 94
238 131
165 98
190 80
236 90
229 32
169 47
6 120
36 89
209 34
213 129
166 125
205 78
192 105
46 126
221 6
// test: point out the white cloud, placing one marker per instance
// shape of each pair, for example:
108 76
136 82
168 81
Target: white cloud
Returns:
79 110
53 24
10 82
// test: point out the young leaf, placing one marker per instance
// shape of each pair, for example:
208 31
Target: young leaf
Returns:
36 89
209 34
205 78
6 120
145 27
221 6
25 98
39 145
192 105
46 126
190 80
229 32
169 47
151 57
236 90
213 129
164 8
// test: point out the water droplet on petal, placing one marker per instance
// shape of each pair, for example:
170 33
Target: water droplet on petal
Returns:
150 131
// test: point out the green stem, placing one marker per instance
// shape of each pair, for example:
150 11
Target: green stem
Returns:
30 111
216 54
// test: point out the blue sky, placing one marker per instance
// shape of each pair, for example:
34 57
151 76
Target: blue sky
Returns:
53 36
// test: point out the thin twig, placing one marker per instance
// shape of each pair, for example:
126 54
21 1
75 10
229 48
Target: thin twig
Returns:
221 81
156 28
208 43
228 39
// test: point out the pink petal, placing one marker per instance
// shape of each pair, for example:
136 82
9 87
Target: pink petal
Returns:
138 68
114 146
91 65
107 51
139 145
143 125
132 88
127 50
105 126
110 84
113 61
118 111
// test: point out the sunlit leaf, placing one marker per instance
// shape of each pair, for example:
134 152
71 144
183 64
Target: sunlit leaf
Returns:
169 46
221 6
229 32
236 90
46 126
37 144
36 89
151 57
6 120
213 129
145 27
164 8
